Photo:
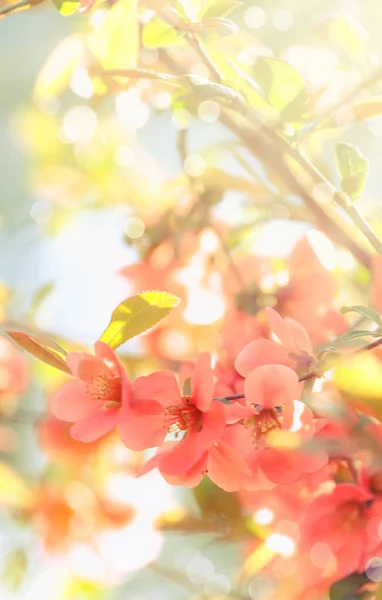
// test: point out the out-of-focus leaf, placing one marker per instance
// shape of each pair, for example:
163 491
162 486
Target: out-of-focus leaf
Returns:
157 33
365 311
219 8
41 294
356 333
353 168
360 378
16 563
116 41
379 592
215 502
346 32
14 492
136 315
283 86
348 587
212 30
58 68
67 7
39 345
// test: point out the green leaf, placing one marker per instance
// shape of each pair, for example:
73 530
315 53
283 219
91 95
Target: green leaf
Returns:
116 41
219 8
58 68
345 31
379 592
283 86
356 333
353 168
157 33
365 311
67 7
39 345
15 567
347 588
136 315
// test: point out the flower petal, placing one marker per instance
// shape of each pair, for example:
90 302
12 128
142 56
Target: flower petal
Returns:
259 353
271 385
202 383
226 467
141 425
96 426
161 386
189 450
71 402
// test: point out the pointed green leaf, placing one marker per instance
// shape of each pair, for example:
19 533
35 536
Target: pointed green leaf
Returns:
136 315
219 8
67 7
157 33
39 345
356 333
283 86
116 41
353 168
365 311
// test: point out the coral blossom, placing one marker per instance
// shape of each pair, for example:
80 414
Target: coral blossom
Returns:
102 398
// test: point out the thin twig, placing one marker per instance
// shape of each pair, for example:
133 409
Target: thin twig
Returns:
7 10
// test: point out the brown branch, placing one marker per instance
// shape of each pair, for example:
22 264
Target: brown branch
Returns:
22 4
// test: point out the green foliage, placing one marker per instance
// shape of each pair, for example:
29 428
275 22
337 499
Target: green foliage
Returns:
136 315
349 587
115 42
157 33
365 311
15 567
219 8
353 168
283 86
187 387
39 345
66 7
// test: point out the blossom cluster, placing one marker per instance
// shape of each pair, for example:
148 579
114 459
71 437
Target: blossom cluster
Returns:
264 438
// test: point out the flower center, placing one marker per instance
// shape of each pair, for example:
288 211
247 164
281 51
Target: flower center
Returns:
106 388
183 417
349 515
264 421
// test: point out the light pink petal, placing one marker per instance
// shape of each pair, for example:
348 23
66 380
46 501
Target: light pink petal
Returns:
154 461
259 353
86 368
270 386
277 325
236 412
189 450
141 426
298 336
226 467
297 417
281 467
71 402
107 355
202 383
96 426
376 289
192 477
161 386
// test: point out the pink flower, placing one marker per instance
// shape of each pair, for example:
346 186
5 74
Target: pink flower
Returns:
102 398
271 405
225 467
293 348
346 521
201 419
